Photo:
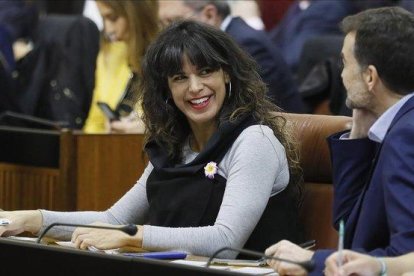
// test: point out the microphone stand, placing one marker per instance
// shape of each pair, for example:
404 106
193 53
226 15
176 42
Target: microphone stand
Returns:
307 265
129 229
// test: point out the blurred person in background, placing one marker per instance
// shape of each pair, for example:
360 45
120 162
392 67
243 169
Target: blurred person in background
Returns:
272 68
310 18
129 27
17 21
249 11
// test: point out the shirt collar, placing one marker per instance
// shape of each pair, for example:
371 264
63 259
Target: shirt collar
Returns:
380 127
226 23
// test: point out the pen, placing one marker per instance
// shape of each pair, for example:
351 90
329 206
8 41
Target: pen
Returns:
341 243
308 244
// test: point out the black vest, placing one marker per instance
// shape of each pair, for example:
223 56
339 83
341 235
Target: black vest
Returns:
180 195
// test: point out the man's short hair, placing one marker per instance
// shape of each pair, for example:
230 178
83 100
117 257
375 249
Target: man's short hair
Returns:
223 7
384 37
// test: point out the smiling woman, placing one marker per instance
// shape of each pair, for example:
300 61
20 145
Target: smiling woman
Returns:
199 94
223 168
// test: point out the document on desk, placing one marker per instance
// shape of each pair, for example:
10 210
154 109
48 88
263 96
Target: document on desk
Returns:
90 248
239 262
239 269
133 252
30 239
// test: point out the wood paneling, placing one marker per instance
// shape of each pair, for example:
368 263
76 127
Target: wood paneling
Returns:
92 171
108 166
24 187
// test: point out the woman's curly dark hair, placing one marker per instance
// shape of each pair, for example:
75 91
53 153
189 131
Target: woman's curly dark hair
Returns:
206 46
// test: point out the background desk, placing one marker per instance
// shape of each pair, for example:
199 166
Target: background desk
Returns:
20 258
64 170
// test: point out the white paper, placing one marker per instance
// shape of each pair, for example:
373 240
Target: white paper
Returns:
31 239
247 270
199 263
255 270
90 248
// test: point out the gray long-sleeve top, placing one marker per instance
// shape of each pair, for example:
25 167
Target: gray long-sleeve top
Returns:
255 168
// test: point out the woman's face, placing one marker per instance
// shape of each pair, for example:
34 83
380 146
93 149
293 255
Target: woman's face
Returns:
115 26
199 93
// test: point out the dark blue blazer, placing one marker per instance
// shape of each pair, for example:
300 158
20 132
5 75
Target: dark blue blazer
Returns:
297 26
374 189
273 69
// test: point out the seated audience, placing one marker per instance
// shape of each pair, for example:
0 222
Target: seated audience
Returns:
372 165
273 69
218 155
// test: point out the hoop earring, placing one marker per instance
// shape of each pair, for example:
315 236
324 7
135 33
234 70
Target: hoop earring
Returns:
229 89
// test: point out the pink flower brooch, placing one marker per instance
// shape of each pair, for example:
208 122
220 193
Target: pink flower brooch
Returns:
210 169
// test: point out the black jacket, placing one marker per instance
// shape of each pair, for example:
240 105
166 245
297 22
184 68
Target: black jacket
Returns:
55 80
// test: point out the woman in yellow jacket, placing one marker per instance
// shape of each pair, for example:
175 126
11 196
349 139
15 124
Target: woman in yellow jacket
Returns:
129 27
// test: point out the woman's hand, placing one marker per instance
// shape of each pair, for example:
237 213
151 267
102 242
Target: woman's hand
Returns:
289 251
20 221
104 239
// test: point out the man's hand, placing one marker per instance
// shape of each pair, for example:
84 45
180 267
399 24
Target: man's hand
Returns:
354 264
362 120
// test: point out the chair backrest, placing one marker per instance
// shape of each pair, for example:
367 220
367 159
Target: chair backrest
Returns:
316 212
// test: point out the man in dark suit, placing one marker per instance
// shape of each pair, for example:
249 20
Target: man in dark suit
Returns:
274 71
17 21
373 165
307 19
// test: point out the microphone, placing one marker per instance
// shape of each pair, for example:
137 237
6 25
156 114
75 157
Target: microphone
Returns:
307 265
10 118
129 229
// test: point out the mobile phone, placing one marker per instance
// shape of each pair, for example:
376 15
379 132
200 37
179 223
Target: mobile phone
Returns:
107 110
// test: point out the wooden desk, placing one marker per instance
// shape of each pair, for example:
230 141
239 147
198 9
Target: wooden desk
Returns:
108 165
64 170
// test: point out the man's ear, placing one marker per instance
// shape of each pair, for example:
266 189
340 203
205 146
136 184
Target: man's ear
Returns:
371 77
211 16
